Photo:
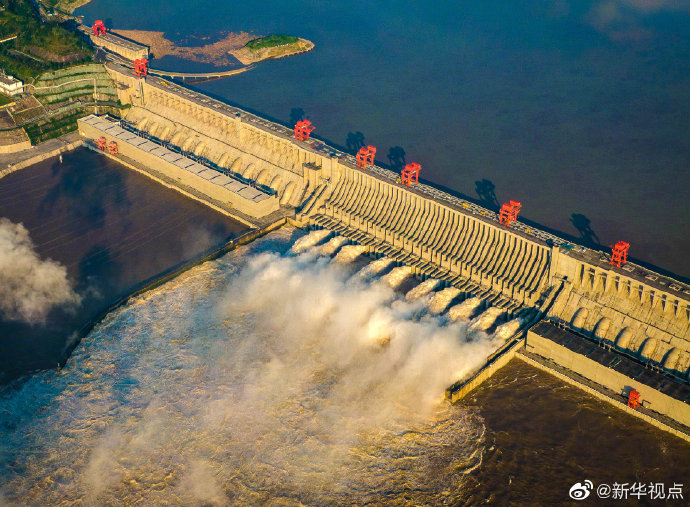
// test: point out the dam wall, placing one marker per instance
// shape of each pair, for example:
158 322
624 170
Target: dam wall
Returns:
527 272
217 186
629 308
238 141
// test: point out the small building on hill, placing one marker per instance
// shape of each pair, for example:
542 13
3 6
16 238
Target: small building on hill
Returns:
10 85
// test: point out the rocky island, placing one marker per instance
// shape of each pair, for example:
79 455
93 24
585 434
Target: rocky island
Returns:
271 47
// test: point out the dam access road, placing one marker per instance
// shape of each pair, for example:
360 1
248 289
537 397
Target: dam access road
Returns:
634 315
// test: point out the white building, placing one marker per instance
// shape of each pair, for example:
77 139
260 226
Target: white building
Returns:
10 85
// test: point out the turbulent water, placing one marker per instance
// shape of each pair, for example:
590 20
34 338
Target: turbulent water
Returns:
265 376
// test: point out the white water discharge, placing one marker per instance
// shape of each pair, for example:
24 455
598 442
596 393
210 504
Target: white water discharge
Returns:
423 289
487 318
465 310
397 276
442 299
349 253
257 378
330 248
374 268
508 329
310 240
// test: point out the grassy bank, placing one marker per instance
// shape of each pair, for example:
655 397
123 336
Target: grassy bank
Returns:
38 46
271 41
272 47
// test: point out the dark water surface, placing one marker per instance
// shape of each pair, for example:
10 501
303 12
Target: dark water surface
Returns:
545 435
578 109
111 227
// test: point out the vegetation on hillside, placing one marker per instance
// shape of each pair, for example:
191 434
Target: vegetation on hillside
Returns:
271 41
38 46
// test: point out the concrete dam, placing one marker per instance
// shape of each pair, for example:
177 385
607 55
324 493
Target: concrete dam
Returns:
258 172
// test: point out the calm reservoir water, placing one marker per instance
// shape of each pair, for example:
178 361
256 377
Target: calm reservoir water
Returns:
573 108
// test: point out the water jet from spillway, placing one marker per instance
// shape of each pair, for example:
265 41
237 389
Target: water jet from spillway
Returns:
465 310
442 299
349 253
397 276
310 240
330 248
374 268
508 329
487 319
423 289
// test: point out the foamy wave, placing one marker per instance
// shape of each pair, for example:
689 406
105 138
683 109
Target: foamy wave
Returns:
249 380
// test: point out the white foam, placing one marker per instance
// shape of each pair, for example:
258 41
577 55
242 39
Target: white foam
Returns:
442 299
310 240
464 310
349 253
267 377
423 289
397 276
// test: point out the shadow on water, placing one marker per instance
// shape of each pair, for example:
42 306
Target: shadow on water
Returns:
486 190
296 114
354 141
99 272
583 225
396 158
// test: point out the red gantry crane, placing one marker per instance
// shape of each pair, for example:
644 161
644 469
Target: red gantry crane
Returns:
509 212
365 156
141 67
98 28
619 254
303 130
410 174
634 399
